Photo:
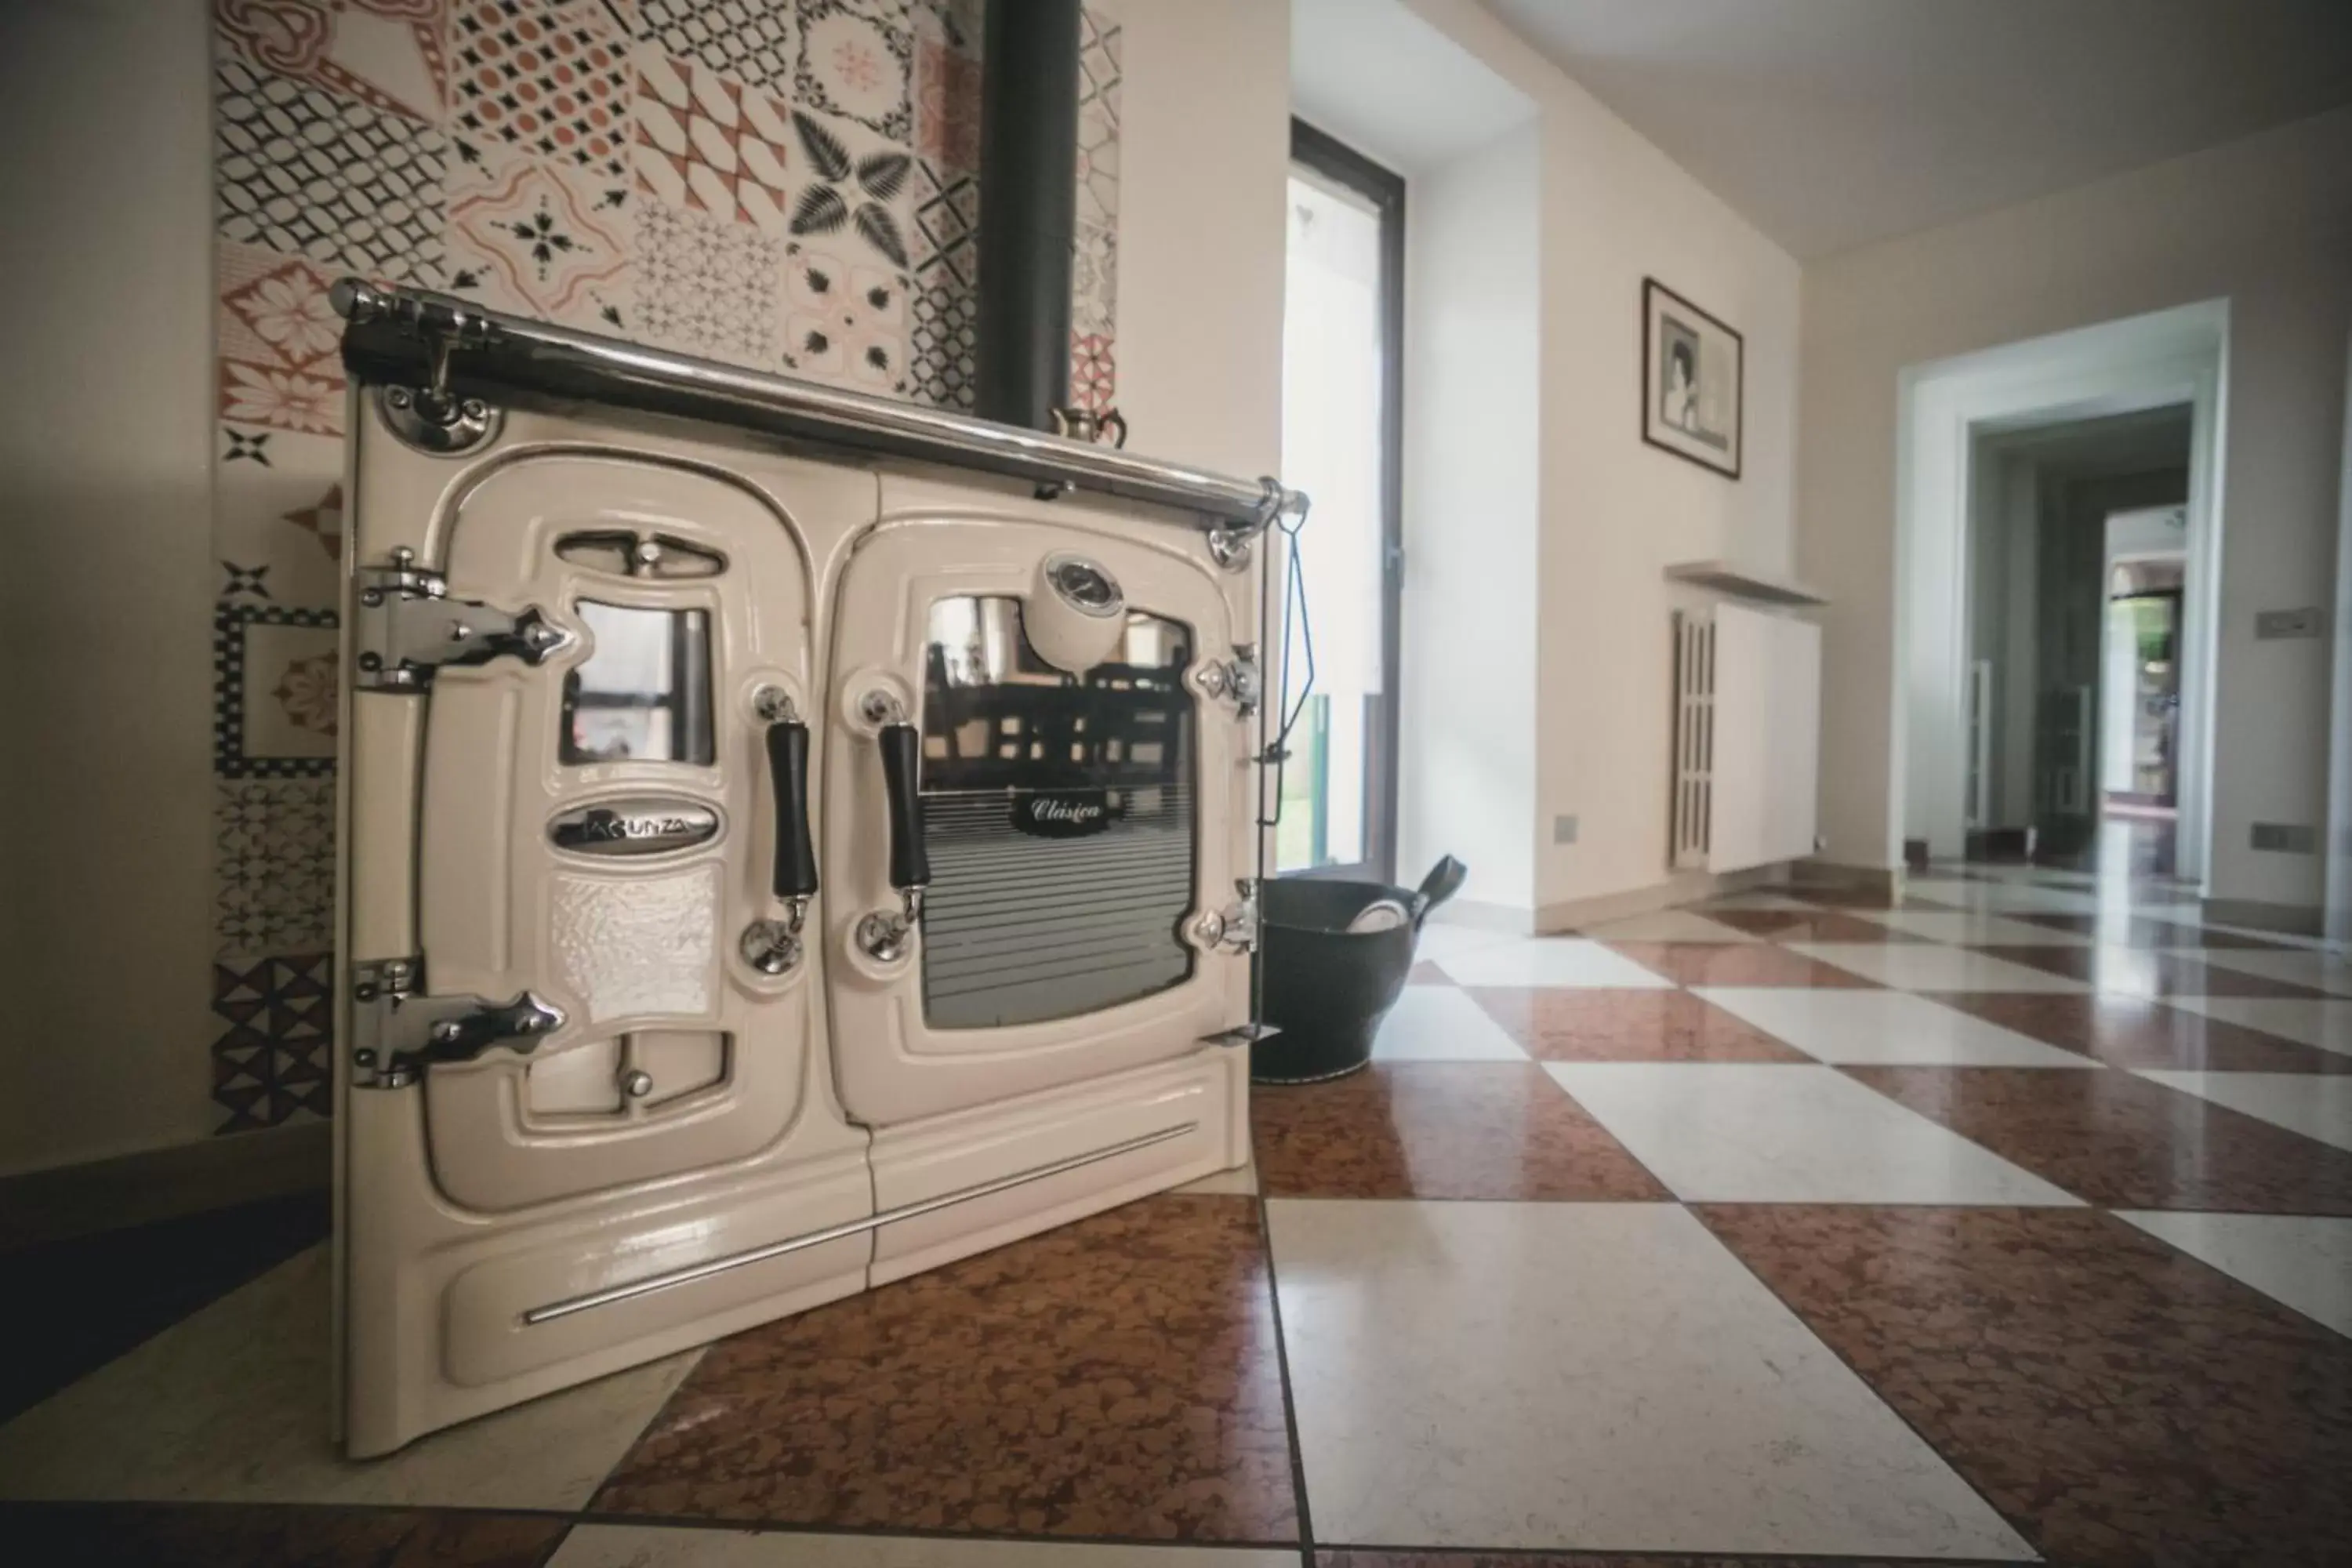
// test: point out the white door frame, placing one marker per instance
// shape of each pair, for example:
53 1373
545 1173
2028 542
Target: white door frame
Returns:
2170 357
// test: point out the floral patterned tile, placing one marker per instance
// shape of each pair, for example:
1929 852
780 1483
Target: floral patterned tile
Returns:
542 239
844 322
280 342
855 65
387 54
2120 1402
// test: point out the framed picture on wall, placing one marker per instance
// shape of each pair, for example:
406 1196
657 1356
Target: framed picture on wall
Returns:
1692 370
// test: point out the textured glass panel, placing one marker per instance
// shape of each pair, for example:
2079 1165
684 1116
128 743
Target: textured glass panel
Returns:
1059 813
643 690
639 946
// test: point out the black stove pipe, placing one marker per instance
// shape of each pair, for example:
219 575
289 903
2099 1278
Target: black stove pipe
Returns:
1028 210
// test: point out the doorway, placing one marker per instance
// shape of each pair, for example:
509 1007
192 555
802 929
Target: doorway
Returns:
1342 431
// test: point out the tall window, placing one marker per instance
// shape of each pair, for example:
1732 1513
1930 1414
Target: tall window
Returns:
1341 424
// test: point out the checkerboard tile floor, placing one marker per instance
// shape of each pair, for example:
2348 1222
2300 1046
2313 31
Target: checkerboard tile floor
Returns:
2010 1222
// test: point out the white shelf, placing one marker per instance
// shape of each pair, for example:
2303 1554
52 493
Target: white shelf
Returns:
1744 583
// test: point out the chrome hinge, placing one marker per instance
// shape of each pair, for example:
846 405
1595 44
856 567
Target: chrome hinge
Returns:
396 1034
408 626
1236 678
1233 928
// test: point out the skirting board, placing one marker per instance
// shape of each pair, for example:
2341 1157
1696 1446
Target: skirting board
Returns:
1682 887
2294 920
164 1184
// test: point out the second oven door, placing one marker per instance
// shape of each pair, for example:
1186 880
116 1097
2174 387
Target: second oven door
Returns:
1083 800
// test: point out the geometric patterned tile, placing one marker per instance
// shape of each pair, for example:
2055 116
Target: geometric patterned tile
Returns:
272 1060
387 54
302 171
1113 1377
749 40
707 285
947 105
273 866
707 143
2122 1402
550 80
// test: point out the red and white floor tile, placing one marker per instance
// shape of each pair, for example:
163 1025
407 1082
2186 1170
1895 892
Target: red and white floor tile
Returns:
2010 1224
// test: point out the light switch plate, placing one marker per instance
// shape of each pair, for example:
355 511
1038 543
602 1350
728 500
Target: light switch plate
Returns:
2309 622
1563 830
2291 838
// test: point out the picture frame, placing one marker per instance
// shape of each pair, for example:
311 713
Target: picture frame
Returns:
1693 381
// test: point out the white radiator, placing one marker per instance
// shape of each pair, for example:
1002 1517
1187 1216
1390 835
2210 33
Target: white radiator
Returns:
1747 711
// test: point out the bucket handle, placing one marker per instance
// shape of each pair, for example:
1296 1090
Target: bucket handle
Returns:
1444 880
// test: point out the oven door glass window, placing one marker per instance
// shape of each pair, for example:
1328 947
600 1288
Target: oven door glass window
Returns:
1060 815
642 693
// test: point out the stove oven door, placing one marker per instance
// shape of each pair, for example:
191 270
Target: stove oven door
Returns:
586 1098
1084 803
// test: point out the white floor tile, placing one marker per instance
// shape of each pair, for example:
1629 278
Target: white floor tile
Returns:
1882 1028
657 1546
1926 966
2315 1107
1604 1376
1551 961
1971 926
1439 942
1440 1023
230 1405
1762 1133
2320 970
2326 1024
2301 1260
1668 925
1760 898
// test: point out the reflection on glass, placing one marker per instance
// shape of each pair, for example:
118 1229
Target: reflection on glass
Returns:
643 691
1058 813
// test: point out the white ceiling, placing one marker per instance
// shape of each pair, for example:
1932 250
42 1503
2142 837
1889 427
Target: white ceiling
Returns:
1393 87
1831 123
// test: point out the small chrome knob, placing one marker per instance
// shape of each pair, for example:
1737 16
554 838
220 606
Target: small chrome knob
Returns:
636 1083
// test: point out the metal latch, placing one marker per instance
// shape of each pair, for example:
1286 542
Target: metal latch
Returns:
396 1033
409 626
1236 678
1233 928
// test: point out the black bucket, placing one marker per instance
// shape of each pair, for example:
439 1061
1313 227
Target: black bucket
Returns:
1327 988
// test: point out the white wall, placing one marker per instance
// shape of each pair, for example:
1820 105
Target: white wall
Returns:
107 786
1615 512
1204 158
1473 429
2266 224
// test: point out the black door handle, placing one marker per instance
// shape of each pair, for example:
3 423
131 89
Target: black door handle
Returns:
788 755
910 863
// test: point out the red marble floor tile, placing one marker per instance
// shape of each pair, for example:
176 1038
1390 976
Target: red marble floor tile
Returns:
1862 898
1350 1557
2144 931
1738 963
2145 972
1114 1377
1802 925
1440 1130
1561 1023
1427 973
2122 1142
2139 1032
235 1535
2118 1401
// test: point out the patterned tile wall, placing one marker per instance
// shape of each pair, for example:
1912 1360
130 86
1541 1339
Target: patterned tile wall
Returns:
790 184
